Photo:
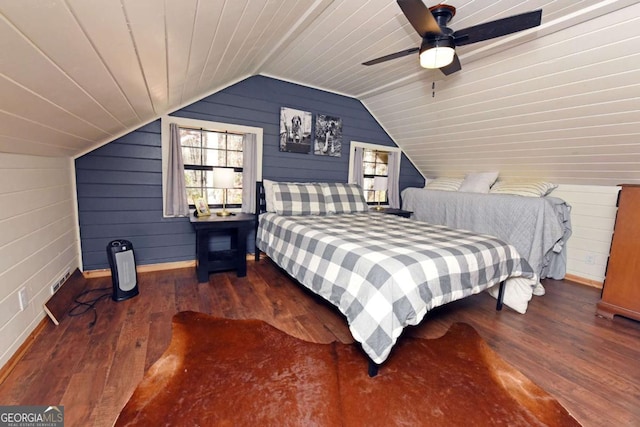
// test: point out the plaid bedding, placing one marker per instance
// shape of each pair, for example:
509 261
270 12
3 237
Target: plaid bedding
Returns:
298 199
344 198
385 272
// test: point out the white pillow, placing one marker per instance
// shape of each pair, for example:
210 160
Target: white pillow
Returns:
527 189
478 182
444 184
517 292
268 194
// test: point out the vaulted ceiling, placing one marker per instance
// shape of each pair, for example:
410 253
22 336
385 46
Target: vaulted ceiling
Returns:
560 101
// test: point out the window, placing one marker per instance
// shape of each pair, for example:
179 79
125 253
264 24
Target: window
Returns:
375 162
203 150
207 145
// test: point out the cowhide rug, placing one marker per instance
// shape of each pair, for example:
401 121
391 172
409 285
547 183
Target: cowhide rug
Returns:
222 372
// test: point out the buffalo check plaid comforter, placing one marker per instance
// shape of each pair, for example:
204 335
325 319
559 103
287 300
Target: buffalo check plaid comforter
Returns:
385 272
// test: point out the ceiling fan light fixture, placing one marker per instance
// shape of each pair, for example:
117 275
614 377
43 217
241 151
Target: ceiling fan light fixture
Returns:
439 41
436 53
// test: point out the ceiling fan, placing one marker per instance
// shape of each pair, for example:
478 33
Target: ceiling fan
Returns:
439 41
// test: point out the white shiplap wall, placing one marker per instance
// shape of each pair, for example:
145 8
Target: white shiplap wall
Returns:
76 74
593 214
563 107
38 240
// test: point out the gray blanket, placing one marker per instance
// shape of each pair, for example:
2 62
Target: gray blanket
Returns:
537 227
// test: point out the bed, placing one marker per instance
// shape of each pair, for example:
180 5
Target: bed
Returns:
383 272
538 227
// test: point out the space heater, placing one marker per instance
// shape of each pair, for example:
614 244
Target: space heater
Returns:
123 269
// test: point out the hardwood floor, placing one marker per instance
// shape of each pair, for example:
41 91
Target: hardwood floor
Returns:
590 364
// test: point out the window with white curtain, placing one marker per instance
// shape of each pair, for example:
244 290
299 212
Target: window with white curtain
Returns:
375 162
207 145
202 151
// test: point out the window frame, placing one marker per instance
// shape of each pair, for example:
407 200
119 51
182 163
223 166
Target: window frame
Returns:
210 126
204 168
374 175
375 147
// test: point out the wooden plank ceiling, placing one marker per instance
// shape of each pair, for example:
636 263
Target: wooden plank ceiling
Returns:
558 102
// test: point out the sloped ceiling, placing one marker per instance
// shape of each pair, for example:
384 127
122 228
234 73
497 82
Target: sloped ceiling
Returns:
557 102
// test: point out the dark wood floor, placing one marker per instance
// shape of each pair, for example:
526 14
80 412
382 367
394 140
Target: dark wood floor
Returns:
590 364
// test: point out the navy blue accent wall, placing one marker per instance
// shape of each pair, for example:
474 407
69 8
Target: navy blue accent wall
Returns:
120 184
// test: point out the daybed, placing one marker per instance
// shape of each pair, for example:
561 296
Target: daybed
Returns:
538 227
382 271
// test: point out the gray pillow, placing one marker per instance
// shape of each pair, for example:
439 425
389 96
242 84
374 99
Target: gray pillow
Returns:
344 198
298 199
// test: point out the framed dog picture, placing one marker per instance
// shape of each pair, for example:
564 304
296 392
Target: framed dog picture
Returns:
328 138
295 130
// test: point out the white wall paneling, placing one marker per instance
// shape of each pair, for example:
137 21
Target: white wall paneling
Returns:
562 107
38 240
593 215
558 101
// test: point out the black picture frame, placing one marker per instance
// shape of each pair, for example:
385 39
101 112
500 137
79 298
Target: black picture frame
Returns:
328 136
295 130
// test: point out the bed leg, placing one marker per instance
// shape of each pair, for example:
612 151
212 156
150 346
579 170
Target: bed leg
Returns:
373 368
500 296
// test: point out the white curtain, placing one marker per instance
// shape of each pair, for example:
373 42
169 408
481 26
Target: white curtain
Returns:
358 172
175 191
249 172
393 184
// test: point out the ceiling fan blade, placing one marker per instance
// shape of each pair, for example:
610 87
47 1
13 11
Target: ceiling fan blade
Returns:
453 67
497 28
419 16
392 56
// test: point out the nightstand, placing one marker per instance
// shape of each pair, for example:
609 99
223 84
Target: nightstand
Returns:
392 211
238 227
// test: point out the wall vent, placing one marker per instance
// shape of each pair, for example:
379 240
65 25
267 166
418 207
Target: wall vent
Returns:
56 285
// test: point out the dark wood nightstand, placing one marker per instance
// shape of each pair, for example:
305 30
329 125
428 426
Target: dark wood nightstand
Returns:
392 211
238 226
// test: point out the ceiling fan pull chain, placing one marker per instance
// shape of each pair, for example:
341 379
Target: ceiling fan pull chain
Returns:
433 89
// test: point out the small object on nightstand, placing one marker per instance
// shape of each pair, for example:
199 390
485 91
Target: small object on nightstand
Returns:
202 207
393 211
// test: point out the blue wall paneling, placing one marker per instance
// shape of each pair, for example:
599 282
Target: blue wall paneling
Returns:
120 184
